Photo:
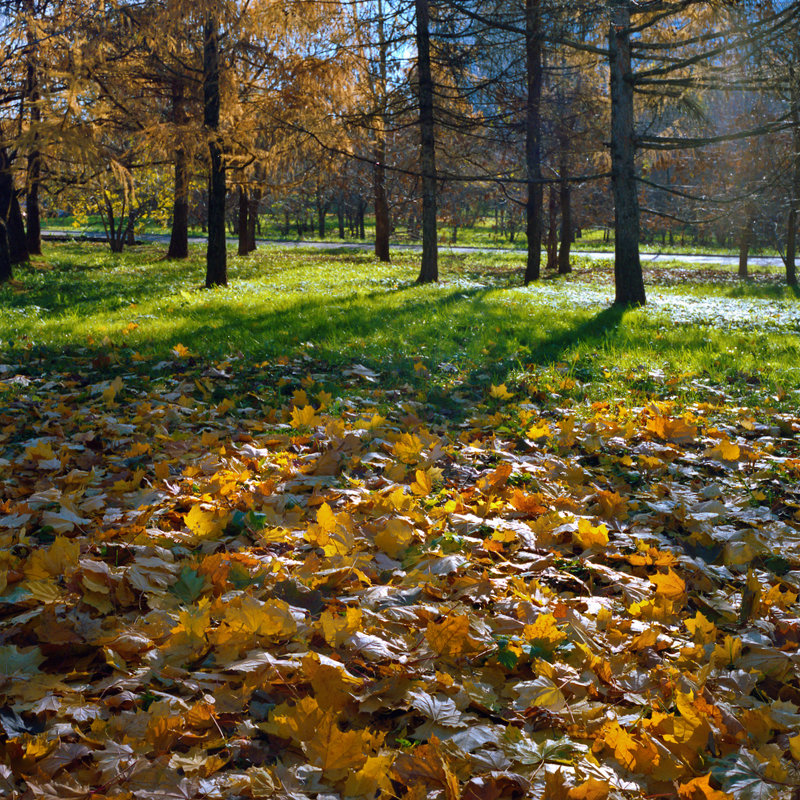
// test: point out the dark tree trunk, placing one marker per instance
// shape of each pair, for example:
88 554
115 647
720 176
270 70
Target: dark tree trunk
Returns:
17 241
242 221
216 254
322 211
429 268
253 202
179 234
382 224
533 144
33 233
362 208
6 198
794 192
566 230
340 214
745 234
552 229
628 280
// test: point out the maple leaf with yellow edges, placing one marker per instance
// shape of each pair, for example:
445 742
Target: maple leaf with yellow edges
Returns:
450 637
701 789
724 450
500 392
396 537
408 448
544 632
671 585
181 351
589 536
304 417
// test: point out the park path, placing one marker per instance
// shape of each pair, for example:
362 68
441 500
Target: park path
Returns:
650 258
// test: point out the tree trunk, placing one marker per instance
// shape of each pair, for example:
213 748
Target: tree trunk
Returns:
322 210
533 135
566 229
6 197
216 253
381 202
253 202
179 234
429 268
628 280
745 234
340 214
794 192
552 229
382 225
362 208
17 242
243 203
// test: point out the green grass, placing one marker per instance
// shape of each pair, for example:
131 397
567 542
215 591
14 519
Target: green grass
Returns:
339 307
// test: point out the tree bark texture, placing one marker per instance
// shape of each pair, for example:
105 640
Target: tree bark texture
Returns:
566 229
216 253
6 195
628 280
533 139
552 228
380 199
179 234
429 268
794 199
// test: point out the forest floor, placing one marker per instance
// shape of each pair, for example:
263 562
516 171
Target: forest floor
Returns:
325 533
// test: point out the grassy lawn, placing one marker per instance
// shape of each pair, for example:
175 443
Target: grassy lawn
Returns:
325 531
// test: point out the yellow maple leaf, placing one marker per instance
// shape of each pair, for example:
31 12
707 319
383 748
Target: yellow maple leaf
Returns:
672 430
589 536
41 451
371 778
423 485
326 519
544 632
297 722
671 585
408 448
794 747
450 637
324 399
395 538
591 789
700 789
110 392
304 417
727 653
58 559
703 630
500 392
724 450
337 628
273 619
194 621
206 524
180 351
338 752
300 398
539 430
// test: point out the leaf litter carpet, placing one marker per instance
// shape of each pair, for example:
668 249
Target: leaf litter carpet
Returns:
226 581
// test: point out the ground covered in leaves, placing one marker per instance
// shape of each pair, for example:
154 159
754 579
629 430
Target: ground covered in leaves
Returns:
298 577
221 580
